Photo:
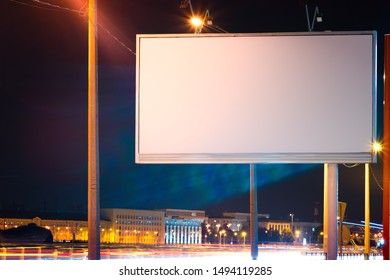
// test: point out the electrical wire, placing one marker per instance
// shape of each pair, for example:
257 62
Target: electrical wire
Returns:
116 39
215 28
56 6
83 12
351 165
372 172
375 179
35 6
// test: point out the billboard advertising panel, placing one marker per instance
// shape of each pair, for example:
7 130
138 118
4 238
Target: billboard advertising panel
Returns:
256 98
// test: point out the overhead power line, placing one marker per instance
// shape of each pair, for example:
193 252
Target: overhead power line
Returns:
81 12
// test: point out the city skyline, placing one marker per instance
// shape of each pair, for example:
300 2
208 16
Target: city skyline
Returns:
43 110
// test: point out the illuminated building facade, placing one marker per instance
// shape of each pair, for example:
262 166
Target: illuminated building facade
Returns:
276 225
63 230
164 226
302 231
183 226
129 226
123 226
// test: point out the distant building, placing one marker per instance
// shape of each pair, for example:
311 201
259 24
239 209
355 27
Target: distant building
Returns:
163 226
73 228
129 226
301 230
124 226
183 226
277 225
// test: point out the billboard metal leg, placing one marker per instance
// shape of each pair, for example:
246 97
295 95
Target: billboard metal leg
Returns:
367 211
330 210
253 212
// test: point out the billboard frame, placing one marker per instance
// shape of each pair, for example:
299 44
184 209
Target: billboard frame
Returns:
366 156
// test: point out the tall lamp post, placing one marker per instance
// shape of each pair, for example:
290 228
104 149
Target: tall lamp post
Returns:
386 152
244 235
199 23
292 222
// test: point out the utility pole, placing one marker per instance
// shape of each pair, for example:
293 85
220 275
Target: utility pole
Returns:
93 141
386 151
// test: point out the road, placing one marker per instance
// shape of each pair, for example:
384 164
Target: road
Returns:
68 251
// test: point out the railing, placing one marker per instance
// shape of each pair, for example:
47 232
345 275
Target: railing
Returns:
346 256
348 253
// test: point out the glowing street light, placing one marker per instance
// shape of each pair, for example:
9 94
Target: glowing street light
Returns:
196 22
244 235
377 147
220 236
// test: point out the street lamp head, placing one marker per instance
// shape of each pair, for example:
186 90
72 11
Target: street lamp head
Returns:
196 22
377 147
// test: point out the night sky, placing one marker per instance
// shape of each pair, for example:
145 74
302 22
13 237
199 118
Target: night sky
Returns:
43 107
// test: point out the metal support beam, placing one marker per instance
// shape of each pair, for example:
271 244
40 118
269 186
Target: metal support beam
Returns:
325 223
330 211
253 212
367 211
93 141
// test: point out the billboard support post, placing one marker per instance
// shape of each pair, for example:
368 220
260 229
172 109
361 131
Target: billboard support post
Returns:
253 212
367 211
330 211
325 223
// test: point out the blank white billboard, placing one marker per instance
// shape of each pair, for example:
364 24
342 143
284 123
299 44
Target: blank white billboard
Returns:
256 98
